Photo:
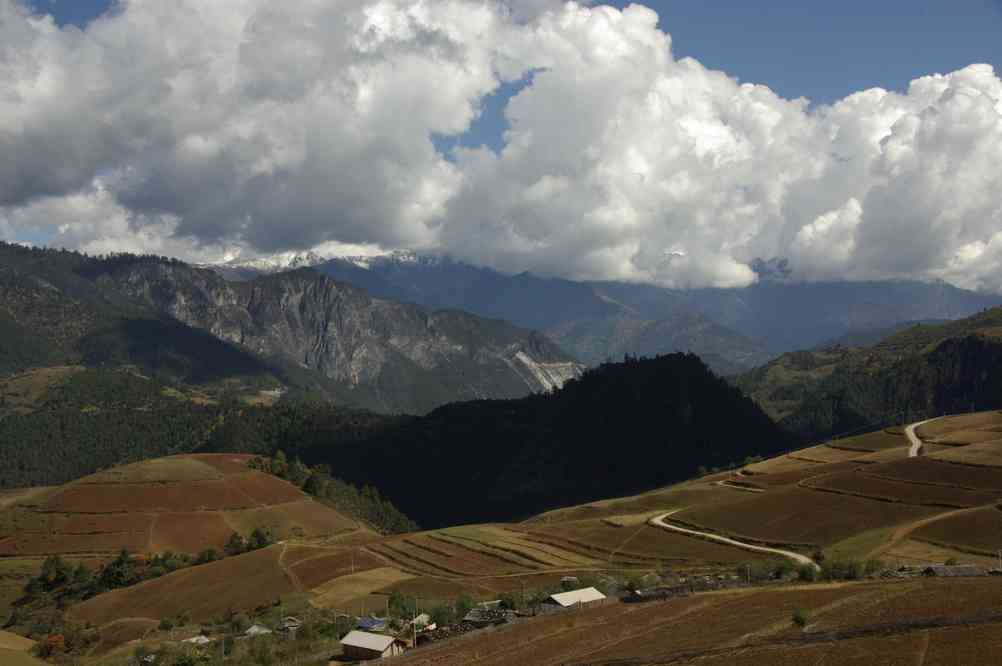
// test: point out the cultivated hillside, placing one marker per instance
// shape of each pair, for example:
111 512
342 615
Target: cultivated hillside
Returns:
183 504
852 501
921 370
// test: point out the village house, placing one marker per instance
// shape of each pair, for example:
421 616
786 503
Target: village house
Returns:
364 646
582 597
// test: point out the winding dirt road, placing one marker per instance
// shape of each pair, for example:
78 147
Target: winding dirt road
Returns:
659 521
916 444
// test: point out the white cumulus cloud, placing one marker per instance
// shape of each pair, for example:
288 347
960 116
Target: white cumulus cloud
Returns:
204 129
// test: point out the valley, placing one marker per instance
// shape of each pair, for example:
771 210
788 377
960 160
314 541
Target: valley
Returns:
857 499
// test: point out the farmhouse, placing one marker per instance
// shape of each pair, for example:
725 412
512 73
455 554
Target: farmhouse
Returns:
583 597
257 630
954 570
363 645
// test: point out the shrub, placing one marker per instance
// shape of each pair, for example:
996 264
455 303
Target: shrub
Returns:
166 624
807 573
800 618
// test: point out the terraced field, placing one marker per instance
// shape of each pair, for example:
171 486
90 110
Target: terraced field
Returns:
183 503
978 532
862 496
862 623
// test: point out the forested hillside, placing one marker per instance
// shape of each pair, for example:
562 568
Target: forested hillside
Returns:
924 370
621 428
94 419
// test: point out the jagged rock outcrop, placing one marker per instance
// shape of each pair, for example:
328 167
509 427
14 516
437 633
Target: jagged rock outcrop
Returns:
382 354
307 330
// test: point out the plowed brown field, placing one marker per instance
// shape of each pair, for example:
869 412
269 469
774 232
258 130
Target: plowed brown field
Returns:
181 503
865 485
979 531
797 515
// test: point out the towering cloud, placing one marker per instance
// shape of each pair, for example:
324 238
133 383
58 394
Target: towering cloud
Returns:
197 128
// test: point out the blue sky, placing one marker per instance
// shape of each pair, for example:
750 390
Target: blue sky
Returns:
819 50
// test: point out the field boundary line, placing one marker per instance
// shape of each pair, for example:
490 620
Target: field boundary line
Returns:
659 521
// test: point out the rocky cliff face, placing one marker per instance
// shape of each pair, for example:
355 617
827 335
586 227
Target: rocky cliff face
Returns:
381 354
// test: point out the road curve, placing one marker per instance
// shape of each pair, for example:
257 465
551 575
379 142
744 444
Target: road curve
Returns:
916 443
659 521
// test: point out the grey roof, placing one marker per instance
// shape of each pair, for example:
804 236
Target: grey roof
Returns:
582 596
955 570
364 639
257 630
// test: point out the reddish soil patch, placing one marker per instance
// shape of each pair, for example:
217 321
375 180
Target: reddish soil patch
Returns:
864 485
318 570
101 523
43 544
190 532
266 489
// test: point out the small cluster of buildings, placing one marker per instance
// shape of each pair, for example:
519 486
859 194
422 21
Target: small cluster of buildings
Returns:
363 644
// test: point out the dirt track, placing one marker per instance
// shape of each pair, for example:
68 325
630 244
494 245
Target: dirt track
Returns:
659 521
916 443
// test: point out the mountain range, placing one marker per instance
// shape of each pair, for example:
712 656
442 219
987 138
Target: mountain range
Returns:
300 330
733 330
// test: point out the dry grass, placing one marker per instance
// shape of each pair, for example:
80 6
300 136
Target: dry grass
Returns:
346 591
984 454
9 641
913 552
161 470
824 454
879 440
26 391
944 427
793 477
780 465
236 583
18 658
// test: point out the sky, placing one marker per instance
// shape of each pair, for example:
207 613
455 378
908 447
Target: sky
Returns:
673 142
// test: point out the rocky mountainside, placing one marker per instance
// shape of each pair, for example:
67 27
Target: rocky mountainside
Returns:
733 329
595 322
300 326
923 370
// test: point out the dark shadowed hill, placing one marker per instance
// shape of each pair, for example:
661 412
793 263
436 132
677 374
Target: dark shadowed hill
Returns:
621 428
